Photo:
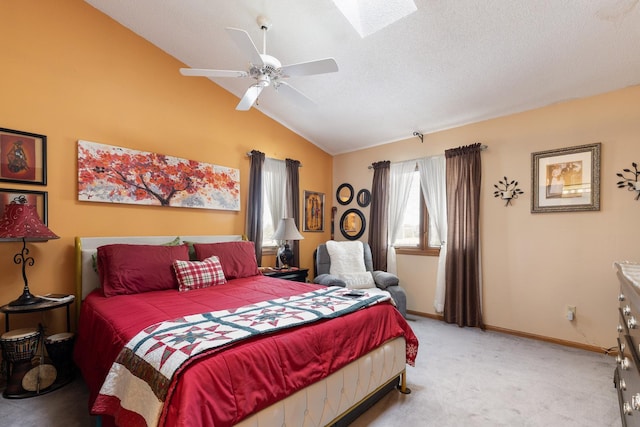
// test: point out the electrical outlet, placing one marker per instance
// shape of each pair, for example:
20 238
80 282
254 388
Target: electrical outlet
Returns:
571 312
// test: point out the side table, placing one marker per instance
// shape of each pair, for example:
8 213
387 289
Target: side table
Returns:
293 274
45 305
59 348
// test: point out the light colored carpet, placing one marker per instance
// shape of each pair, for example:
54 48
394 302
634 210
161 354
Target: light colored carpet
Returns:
467 377
464 377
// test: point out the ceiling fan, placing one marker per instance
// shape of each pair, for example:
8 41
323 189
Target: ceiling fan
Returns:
264 69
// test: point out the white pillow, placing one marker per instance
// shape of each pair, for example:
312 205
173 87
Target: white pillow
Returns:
347 263
346 257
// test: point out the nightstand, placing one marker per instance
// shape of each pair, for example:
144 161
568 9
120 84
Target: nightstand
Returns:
293 274
21 347
45 305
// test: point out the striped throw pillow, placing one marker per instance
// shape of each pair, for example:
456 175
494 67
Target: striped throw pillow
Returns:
199 274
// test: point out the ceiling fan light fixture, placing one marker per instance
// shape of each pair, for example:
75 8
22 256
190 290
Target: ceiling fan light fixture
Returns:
271 67
265 69
264 80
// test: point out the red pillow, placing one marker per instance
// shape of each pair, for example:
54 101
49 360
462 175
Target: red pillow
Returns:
238 259
132 269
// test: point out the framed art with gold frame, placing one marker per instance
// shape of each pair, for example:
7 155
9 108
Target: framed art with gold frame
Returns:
313 211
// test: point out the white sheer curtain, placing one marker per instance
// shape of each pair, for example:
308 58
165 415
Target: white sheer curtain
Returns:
274 184
400 176
433 183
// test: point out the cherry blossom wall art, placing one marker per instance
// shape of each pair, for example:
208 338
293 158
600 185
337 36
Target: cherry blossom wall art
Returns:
120 175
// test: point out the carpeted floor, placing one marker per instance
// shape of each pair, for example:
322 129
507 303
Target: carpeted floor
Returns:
464 377
467 377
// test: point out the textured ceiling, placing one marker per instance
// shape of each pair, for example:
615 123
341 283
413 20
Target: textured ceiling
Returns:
448 64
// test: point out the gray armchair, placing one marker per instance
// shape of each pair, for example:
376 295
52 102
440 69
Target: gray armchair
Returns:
383 280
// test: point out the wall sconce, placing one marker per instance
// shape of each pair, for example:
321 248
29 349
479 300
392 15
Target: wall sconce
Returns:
286 230
21 222
507 190
632 183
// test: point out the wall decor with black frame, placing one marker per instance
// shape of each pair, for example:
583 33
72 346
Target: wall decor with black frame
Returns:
363 198
344 194
23 157
352 224
28 197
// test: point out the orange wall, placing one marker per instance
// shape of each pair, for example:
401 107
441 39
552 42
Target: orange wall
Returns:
70 72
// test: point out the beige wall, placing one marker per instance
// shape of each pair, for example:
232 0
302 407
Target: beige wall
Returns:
69 72
535 264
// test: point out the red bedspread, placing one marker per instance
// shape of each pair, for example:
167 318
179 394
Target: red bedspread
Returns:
225 387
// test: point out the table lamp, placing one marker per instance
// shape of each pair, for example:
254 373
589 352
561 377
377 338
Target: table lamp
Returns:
21 222
286 230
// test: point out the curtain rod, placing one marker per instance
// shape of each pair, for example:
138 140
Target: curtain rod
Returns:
249 155
482 148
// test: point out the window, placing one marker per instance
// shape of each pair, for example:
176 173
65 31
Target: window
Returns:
267 230
274 189
417 227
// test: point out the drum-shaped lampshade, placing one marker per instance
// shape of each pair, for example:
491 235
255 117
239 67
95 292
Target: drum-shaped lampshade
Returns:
21 221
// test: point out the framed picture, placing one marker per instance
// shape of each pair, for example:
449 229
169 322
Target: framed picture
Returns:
37 198
313 211
566 179
23 157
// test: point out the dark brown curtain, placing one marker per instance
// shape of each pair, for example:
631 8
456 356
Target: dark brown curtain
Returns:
463 298
293 202
254 203
379 214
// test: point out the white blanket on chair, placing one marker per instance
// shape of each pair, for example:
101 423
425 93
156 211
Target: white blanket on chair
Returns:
347 263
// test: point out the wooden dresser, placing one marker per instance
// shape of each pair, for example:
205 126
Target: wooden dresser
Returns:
627 374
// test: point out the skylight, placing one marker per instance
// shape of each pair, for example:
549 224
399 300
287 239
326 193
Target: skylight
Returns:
369 16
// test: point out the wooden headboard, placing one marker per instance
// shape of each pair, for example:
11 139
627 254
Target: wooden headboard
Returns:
86 247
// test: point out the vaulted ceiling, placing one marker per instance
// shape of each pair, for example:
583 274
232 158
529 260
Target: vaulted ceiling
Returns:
447 64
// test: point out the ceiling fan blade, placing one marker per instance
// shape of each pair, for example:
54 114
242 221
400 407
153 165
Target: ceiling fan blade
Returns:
250 97
244 42
204 72
293 93
320 66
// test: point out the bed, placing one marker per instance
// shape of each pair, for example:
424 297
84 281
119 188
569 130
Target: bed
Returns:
311 372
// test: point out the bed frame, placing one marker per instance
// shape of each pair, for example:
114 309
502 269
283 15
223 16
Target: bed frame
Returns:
334 401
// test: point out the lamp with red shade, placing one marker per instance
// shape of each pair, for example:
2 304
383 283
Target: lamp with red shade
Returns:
21 222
